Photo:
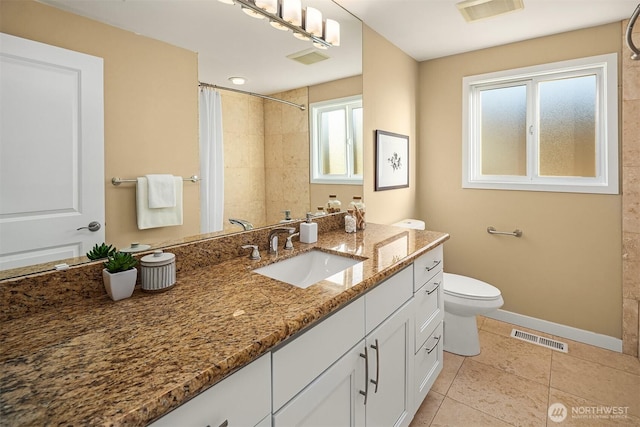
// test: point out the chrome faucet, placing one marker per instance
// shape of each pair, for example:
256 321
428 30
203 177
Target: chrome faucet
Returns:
242 223
273 237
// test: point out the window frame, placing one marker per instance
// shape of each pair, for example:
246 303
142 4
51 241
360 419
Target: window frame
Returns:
315 110
606 181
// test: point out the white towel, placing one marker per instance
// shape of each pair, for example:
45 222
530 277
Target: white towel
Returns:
162 191
157 217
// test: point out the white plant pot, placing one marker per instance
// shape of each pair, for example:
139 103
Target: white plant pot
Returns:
119 285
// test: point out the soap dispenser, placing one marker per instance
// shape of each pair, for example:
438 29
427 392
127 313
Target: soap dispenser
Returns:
309 230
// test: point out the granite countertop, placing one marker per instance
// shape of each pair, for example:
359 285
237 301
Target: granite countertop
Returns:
131 361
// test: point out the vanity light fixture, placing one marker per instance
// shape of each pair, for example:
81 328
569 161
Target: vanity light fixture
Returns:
237 80
306 24
475 10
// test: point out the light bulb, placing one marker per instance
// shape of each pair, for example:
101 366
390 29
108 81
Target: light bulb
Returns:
270 6
332 32
313 21
292 12
237 80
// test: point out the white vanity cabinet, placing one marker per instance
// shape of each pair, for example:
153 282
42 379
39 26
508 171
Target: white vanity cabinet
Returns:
242 399
429 316
369 383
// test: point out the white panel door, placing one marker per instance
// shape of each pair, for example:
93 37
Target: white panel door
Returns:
51 152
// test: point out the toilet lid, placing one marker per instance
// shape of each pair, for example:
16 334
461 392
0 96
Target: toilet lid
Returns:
468 287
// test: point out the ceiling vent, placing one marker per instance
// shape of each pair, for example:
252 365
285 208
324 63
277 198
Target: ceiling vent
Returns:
475 10
308 57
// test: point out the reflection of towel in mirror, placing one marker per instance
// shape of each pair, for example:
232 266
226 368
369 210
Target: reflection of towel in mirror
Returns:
157 217
162 191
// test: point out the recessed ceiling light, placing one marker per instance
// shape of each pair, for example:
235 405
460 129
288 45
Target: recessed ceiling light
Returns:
237 80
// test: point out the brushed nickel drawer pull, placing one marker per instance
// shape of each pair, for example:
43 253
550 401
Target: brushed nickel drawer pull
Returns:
429 292
429 350
365 355
376 347
435 264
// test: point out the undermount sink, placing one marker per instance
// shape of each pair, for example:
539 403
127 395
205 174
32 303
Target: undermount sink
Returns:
308 268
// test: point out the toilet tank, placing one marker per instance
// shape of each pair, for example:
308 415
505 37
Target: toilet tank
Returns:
415 224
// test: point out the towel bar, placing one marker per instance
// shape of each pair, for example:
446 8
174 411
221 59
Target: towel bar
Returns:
515 233
117 181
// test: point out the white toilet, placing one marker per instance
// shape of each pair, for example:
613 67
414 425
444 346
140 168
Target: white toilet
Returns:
464 299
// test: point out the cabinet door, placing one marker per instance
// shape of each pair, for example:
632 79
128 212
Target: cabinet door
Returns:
332 399
390 349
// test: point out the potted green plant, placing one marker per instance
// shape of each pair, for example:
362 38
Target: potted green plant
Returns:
102 251
119 275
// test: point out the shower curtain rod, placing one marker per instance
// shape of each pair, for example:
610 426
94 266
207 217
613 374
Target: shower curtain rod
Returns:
270 98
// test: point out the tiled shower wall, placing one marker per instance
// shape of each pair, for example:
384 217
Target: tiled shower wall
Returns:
630 198
243 135
286 151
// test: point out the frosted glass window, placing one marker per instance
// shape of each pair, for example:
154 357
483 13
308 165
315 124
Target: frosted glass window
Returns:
504 130
333 142
568 127
550 127
337 141
358 138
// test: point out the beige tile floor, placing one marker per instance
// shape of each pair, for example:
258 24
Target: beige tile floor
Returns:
514 383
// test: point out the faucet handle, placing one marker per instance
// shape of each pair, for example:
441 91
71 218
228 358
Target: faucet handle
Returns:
289 244
255 254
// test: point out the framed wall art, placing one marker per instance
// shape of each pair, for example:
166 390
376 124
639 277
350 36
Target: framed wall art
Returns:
392 160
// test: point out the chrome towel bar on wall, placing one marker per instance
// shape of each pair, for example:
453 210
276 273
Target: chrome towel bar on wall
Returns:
514 233
117 181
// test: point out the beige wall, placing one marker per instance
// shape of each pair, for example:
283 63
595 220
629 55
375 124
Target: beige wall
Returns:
567 266
244 172
319 193
150 109
390 87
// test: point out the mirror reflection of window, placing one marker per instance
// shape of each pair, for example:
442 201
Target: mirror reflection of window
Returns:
337 141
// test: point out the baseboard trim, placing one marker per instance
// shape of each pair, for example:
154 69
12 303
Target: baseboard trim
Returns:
569 332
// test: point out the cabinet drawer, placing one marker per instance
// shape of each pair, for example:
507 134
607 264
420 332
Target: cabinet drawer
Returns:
302 360
428 364
427 266
387 297
242 399
428 308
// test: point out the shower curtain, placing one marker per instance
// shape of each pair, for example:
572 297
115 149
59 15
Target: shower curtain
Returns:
211 161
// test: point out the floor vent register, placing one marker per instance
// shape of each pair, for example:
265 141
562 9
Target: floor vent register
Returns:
541 341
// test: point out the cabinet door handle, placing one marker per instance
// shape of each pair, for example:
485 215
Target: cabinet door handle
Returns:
429 350
376 347
435 264
429 292
365 355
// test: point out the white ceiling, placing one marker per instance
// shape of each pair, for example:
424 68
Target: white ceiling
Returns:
427 29
229 43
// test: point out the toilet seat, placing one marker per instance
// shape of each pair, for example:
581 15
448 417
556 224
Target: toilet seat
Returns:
468 287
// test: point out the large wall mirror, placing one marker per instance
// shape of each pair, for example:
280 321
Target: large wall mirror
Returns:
155 53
